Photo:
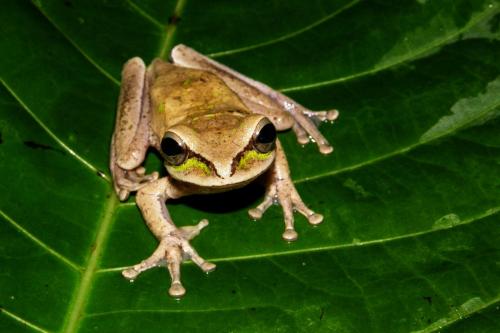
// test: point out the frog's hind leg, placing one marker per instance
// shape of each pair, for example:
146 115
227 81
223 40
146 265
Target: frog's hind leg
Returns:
262 99
130 139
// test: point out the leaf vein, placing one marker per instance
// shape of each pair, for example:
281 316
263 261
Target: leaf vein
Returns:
155 311
144 14
37 241
472 219
22 321
286 36
51 134
400 151
78 48
397 61
167 42
447 321
301 281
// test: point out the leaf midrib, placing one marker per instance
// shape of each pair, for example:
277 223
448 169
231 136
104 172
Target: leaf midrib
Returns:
167 43
82 291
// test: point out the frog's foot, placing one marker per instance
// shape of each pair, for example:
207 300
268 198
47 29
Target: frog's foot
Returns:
173 249
132 180
306 122
283 191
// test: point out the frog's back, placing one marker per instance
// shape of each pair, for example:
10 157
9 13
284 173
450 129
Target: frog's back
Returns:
178 93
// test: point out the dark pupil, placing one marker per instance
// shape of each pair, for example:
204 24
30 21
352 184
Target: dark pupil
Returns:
267 134
170 147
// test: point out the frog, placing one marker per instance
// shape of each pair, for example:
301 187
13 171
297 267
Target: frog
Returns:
216 130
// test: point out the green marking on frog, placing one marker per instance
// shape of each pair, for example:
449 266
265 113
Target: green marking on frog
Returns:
250 156
193 164
161 108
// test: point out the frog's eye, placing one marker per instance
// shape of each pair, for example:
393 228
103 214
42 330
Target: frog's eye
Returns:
264 136
173 149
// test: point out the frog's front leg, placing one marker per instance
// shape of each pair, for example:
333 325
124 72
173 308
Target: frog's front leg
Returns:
132 131
174 245
280 188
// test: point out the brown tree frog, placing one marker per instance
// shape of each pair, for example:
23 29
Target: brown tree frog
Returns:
216 130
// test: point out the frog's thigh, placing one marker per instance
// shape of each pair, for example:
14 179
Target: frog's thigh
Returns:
256 96
131 136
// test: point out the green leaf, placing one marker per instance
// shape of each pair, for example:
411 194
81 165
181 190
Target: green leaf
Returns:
411 195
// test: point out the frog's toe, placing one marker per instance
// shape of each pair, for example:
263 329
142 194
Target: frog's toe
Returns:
156 259
134 180
257 212
191 231
207 267
315 218
300 206
290 235
301 134
140 178
320 116
176 290
325 148
123 194
130 273
304 137
332 115
140 171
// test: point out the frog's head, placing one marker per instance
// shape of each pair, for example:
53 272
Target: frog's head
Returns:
222 149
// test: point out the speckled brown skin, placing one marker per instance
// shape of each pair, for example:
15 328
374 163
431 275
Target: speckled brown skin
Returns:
216 112
284 112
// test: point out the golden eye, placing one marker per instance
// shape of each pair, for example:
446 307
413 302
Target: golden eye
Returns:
264 137
173 149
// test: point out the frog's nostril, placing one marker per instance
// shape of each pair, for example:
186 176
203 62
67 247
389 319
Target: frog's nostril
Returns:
223 169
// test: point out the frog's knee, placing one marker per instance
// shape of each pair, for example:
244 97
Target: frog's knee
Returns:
141 198
145 195
151 192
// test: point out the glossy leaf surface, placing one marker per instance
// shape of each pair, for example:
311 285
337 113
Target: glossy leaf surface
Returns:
411 195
